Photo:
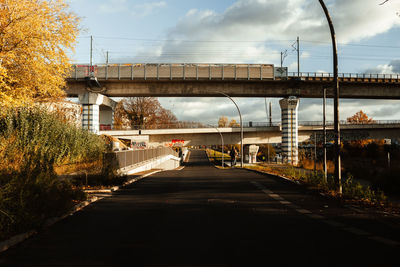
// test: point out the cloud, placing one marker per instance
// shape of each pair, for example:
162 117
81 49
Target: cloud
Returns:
208 110
253 31
113 6
393 67
247 30
123 6
145 9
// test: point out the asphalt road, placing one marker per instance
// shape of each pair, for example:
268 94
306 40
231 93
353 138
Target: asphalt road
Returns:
203 216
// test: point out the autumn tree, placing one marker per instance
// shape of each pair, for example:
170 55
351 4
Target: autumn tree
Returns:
223 121
36 36
233 123
360 118
143 112
121 120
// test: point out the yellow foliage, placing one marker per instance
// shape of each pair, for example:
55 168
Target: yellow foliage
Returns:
222 121
233 123
35 38
360 118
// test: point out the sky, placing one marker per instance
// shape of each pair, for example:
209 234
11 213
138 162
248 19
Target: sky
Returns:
246 31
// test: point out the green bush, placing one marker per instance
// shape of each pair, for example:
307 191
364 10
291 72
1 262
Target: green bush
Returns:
32 142
355 190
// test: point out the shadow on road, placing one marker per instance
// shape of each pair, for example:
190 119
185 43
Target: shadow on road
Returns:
198 158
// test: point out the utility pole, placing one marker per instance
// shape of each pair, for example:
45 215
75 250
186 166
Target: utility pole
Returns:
91 57
270 114
324 140
107 58
266 107
298 56
338 172
315 152
91 51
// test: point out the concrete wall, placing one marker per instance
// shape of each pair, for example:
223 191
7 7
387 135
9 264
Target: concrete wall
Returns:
167 162
264 135
106 115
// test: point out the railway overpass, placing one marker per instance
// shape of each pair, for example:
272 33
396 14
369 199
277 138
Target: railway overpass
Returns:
95 84
236 80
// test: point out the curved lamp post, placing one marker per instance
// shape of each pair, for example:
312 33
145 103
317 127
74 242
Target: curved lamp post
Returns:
241 128
338 174
222 142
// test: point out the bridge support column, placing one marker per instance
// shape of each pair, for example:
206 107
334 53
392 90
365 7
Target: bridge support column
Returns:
289 126
250 153
98 112
90 117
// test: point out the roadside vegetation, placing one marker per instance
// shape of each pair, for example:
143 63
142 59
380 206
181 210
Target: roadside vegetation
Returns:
352 190
33 143
372 162
36 39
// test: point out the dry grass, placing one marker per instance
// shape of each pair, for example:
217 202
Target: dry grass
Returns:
94 167
308 164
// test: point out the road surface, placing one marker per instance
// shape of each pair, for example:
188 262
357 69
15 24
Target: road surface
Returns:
203 216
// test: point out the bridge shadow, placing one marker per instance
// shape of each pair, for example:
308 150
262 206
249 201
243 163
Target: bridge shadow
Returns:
197 158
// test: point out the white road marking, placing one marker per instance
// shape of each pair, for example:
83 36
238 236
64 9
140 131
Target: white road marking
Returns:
316 216
266 191
332 223
303 211
276 196
384 240
356 231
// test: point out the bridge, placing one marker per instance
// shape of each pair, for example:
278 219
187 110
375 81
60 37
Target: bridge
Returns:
95 84
236 80
254 133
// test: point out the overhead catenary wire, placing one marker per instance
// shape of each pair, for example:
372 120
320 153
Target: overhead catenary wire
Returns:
238 41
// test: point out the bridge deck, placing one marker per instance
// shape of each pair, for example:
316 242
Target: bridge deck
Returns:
236 80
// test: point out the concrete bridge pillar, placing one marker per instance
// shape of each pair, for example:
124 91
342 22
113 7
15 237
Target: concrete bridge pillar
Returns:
250 153
289 126
98 112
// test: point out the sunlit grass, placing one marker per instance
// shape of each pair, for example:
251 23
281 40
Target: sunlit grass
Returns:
35 146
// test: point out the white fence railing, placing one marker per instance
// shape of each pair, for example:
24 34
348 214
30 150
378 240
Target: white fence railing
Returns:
126 158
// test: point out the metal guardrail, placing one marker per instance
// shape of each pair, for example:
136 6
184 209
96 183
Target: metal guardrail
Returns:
344 122
251 124
344 75
126 158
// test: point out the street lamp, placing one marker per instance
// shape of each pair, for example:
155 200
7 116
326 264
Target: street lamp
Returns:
338 174
241 128
222 142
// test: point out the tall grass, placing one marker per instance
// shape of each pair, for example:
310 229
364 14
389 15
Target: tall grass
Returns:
32 142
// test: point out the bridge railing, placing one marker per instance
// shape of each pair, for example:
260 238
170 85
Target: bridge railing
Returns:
191 71
344 122
161 71
246 124
126 158
344 75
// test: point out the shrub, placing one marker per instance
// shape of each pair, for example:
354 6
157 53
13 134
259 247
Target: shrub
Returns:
32 142
355 190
